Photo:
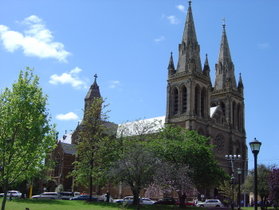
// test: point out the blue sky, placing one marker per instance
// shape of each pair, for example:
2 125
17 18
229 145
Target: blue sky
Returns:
128 44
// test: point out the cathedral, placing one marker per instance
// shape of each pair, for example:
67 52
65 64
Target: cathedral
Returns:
193 102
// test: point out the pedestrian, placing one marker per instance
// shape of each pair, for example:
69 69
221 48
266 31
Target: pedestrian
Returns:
107 197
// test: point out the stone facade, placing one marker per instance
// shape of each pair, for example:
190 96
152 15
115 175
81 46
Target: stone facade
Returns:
195 104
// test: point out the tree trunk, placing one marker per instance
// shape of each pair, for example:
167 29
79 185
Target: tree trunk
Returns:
182 198
4 199
136 197
90 187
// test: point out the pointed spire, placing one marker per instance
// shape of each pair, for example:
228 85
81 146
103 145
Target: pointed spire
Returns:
206 60
189 34
189 49
94 91
224 53
240 83
171 65
225 78
206 68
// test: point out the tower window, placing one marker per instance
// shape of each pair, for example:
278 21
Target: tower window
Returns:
203 102
184 99
197 100
175 101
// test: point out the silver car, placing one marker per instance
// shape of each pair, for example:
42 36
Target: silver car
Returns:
210 203
47 195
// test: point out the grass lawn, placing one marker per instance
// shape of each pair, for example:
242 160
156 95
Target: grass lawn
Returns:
76 205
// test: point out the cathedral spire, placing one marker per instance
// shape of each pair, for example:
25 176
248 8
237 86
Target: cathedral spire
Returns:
240 83
171 66
206 68
189 34
224 53
93 92
224 68
189 49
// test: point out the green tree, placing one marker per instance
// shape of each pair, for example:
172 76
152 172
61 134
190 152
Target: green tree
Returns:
178 145
136 168
26 136
263 187
91 136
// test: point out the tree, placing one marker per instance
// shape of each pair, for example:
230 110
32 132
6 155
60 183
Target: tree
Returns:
26 135
263 187
136 168
180 146
90 137
273 182
174 177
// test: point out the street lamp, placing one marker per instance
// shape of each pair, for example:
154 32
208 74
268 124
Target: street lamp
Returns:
232 158
255 148
239 176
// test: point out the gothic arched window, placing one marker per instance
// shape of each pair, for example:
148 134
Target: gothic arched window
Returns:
197 100
57 165
219 142
234 115
175 101
239 117
203 102
223 107
184 99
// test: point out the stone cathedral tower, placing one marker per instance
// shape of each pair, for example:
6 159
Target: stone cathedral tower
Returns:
192 102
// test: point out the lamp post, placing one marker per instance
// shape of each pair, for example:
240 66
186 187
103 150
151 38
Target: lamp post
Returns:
232 158
239 197
255 148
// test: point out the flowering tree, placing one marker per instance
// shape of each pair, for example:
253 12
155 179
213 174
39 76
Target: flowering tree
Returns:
273 182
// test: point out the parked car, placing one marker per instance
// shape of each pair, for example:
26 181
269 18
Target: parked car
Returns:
146 201
12 193
47 195
104 198
84 197
126 199
166 201
210 203
68 195
187 203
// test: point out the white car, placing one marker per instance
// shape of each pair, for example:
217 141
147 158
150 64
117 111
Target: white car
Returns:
47 195
210 203
12 193
146 201
127 200
104 198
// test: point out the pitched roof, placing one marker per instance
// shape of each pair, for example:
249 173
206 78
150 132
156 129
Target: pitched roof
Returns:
68 148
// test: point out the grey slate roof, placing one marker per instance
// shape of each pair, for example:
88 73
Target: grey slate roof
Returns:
68 148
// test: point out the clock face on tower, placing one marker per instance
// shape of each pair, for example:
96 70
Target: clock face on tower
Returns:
219 142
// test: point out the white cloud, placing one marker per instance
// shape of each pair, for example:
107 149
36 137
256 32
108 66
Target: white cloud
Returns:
36 40
71 78
114 84
67 116
181 8
263 45
159 39
172 19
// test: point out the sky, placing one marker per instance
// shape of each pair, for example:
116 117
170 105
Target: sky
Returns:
128 44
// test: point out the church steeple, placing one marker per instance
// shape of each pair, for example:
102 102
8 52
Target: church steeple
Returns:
189 49
171 66
206 69
93 92
224 68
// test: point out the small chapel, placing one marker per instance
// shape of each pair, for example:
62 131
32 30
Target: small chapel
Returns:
193 102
